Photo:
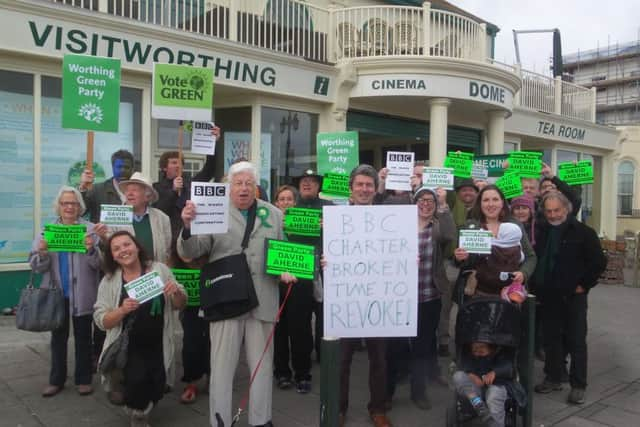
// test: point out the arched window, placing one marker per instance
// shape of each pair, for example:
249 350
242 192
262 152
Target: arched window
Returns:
626 173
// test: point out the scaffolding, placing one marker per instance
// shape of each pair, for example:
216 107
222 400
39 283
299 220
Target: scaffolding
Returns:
614 71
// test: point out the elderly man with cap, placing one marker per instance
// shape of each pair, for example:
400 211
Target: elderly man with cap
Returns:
151 227
293 334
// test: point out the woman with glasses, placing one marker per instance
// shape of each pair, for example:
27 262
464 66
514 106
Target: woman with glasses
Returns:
77 274
436 230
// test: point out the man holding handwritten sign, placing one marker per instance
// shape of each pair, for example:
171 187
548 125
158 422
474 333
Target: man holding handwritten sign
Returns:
370 282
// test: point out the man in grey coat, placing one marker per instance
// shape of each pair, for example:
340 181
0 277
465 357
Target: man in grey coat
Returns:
254 327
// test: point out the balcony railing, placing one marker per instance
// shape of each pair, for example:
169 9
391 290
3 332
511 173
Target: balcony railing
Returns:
331 35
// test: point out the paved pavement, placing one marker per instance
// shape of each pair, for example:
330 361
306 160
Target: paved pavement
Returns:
613 395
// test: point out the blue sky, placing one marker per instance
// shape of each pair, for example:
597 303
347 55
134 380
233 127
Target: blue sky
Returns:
583 24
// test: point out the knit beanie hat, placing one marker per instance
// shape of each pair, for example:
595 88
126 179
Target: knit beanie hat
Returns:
530 203
509 235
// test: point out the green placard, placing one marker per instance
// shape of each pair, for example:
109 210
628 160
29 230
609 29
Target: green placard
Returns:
510 185
337 152
576 173
336 184
462 163
190 279
527 164
90 93
287 257
182 92
494 163
65 238
302 221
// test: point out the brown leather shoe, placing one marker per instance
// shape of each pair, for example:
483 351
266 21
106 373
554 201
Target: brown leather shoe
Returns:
51 390
84 389
116 398
380 420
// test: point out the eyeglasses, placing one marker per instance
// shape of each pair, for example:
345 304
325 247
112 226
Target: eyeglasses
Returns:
426 202
239 184
69 204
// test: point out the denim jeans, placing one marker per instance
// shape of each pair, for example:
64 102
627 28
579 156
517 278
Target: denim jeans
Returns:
494 395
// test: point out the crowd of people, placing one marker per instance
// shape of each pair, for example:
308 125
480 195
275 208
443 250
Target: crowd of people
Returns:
538 247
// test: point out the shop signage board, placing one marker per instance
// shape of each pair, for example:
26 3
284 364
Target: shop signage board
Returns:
182 92
576 173
190 280
438 177
302 221
293 258
461 162
90 93
400 170
475 241
65 238
371 278
337 152
116 215
145 287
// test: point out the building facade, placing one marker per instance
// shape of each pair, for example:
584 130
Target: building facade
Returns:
406 75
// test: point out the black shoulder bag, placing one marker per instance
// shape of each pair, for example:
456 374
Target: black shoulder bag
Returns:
226 286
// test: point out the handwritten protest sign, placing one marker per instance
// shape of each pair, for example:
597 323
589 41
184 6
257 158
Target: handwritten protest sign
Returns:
203 141
190 279
510 185
145 287
337 152
400 166
336 184
461 162
90 93
527 164
212 208
117 215
65 238
287 257
302 221
438 177
576 173
476 241
371 277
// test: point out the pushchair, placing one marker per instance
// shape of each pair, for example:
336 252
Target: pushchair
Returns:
493 321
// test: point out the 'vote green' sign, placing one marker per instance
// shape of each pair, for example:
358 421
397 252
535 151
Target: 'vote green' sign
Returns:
510 185
287 257
182 92
337 152
65 238
576 173
336 184
90 93
190 279
302 221
526 163
462 164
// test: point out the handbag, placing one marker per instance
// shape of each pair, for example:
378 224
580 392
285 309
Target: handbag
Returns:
115 356
40 309
226 286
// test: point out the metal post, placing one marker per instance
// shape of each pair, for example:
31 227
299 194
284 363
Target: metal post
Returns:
330 382
527 349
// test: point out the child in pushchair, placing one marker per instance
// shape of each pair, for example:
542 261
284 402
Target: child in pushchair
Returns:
487 338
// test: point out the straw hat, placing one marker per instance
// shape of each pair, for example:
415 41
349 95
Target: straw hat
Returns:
138 178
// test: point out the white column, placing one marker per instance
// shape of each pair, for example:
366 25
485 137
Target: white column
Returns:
495 132
438 131
609 197
256 136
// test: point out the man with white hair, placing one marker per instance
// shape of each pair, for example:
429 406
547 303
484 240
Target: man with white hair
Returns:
252 328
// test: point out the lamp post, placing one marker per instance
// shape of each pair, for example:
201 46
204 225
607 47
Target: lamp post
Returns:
291 121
